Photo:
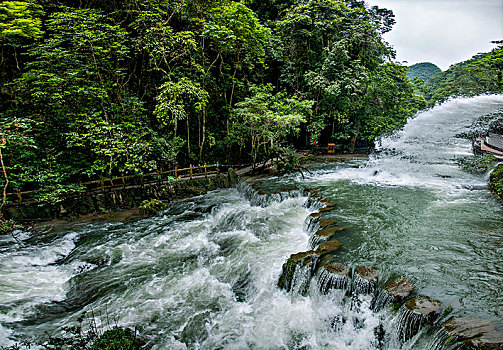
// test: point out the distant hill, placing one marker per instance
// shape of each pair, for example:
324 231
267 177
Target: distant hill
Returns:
481 74
423 71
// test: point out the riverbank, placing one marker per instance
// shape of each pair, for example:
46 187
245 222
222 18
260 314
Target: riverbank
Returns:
114 199
496 181
123 205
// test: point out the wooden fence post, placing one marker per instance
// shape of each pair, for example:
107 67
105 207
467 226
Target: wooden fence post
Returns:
191 171
19 196
205 171
176 171
102 184
123 181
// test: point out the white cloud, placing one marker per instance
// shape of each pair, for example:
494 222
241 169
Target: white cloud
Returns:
443 32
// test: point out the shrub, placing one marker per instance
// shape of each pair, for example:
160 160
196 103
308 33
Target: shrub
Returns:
496 181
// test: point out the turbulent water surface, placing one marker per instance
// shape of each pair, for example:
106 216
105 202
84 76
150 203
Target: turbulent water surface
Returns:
203 274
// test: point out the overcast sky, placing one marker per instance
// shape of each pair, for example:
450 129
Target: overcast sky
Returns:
443 32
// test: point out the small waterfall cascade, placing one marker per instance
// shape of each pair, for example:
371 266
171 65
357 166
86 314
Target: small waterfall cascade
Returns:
269 265
414 314
365 280
333 276
395 291
360 287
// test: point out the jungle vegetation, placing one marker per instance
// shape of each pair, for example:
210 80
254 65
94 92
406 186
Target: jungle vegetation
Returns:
95 88
483 73
423 71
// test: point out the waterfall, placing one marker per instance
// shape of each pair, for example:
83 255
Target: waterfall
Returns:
206 272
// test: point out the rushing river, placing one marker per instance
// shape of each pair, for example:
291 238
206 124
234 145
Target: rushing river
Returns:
203 274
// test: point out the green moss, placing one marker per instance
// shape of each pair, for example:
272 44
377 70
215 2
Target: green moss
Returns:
496 181
152 207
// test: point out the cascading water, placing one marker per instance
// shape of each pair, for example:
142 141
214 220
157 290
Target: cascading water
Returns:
203 274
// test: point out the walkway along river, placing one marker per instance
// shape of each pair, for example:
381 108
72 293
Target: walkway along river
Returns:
203 274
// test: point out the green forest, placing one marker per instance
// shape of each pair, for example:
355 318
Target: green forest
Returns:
99 88
96 88
483 73
423 71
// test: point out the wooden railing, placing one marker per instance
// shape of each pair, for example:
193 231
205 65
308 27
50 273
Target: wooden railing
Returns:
122 182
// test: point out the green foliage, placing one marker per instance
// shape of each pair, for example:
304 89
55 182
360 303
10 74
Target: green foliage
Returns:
128 87
478 164
78 338
118 339
7 226
265 119
496 181
288 159
424 71
390 101
480 74
20 19
151 207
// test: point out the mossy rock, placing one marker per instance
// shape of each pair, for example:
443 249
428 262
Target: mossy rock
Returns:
496 181
118 338
337 269
322 210
289 267
152 207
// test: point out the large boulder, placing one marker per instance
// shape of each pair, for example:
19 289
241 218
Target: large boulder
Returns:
475 333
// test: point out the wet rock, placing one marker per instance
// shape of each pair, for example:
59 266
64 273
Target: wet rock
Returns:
326 222
315 215
424 306
368 273
323 235
337 269
261 193
365 280
329 231
325 200
311 190
399 289
330 204
475 333
333 276
297 269
415 314
322 210
328 247
233 177
315 196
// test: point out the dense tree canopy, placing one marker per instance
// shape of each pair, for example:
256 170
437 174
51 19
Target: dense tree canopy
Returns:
98 88
424 71
483 73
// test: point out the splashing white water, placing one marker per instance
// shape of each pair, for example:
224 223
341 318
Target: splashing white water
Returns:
424 152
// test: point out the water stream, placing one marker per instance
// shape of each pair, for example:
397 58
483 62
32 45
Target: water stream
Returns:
203 274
